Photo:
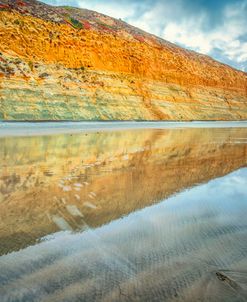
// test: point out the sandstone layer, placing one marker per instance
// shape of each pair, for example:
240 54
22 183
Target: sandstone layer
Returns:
52 183
63 63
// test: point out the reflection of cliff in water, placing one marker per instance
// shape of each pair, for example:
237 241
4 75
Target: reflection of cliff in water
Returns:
190 247
70 182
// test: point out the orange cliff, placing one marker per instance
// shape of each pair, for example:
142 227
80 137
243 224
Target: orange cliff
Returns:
62 63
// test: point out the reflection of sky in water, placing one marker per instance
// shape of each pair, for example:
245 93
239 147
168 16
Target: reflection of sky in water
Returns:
170 250
218 200
65 182
225 196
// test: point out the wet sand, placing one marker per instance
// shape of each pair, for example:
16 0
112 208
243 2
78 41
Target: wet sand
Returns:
47 128
126 215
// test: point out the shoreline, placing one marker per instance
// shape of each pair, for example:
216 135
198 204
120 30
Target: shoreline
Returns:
15 128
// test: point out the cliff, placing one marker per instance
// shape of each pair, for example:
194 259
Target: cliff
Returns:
63 63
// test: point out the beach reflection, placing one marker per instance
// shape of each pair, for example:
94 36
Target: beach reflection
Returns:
71 182
182 223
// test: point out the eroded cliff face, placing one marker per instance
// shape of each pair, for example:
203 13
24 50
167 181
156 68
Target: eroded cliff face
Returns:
52 183
66 63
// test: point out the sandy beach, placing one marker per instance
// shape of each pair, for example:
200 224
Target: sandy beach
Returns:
49 128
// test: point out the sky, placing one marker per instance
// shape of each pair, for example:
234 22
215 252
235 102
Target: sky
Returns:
217 28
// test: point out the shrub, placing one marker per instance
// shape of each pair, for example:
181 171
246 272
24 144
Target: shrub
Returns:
44 75
30 64
21 3
86 25
139 38
75 23
17 22
4 6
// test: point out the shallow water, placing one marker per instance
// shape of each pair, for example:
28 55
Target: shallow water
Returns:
127 215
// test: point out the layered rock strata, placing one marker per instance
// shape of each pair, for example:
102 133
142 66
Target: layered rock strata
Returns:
62 63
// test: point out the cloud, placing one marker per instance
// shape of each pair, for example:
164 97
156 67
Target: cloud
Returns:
213 27
115 9
224 39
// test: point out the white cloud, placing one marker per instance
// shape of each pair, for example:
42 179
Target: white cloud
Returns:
188 34
190 30
113 9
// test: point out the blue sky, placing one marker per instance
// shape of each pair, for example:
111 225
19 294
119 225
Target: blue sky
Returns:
214 27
